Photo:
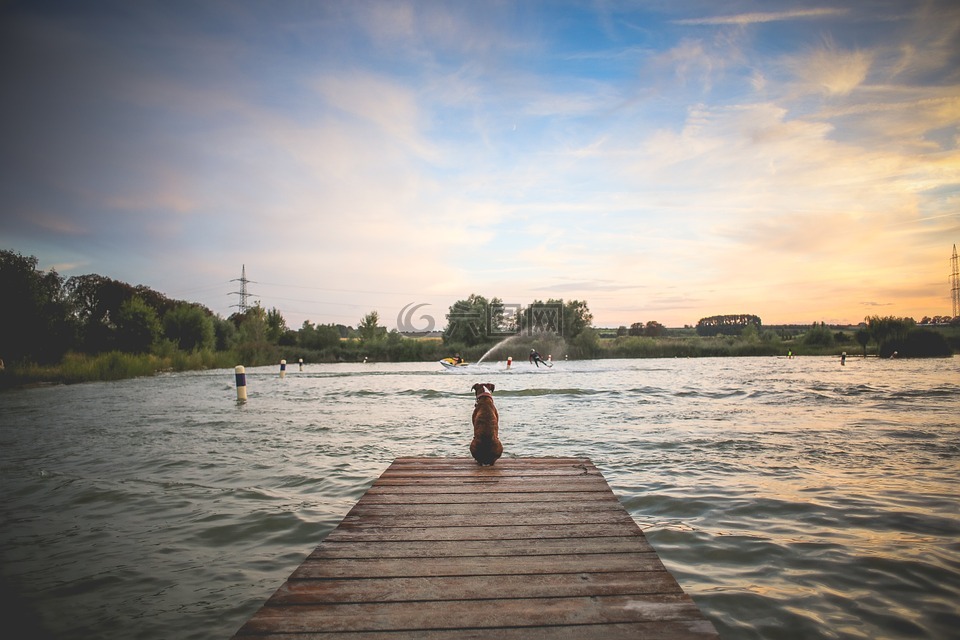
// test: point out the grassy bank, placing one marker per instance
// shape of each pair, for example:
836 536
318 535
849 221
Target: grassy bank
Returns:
114 365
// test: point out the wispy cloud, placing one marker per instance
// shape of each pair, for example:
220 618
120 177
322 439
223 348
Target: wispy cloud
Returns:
743 19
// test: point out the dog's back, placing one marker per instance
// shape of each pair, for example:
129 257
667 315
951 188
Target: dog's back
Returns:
485 447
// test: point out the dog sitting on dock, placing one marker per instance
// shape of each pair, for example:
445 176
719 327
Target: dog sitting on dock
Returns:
486 446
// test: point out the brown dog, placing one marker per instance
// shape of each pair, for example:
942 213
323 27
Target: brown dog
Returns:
486 447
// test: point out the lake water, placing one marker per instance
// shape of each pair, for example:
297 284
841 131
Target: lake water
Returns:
792 498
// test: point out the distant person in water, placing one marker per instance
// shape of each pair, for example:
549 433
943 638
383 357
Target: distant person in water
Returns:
535 358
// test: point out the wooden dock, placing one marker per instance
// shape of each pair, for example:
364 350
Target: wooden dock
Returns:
440 548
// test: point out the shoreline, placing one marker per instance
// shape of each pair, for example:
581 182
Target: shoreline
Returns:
37 376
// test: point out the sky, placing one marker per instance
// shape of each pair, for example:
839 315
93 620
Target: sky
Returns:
662 160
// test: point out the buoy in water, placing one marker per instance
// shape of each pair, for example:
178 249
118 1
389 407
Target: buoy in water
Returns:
241 375
283 368
509 361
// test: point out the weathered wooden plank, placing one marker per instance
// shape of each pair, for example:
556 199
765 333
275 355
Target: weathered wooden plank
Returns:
502 463
427 497
416 589
491 473
487 519
469 479
661 630
476 566
506 485
497 509
480 614
329 550
360 532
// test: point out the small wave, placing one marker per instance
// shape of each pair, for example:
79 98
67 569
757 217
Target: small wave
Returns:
647 391
948 391
427 394
572 391
713 395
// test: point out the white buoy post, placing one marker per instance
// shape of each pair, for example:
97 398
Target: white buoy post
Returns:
509 361
283 368
241 383
301 364
549 357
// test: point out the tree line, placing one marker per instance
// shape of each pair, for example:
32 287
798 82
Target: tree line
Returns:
48 317
45 318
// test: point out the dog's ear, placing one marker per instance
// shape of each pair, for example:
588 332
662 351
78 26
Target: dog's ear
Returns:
475 389
490 386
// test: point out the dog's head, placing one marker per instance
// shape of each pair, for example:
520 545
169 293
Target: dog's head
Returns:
483 389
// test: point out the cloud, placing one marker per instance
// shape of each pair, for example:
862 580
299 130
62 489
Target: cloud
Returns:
832 71
744 19
391 108
592 286
54 223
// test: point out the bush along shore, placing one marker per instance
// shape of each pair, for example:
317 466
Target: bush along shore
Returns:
392 347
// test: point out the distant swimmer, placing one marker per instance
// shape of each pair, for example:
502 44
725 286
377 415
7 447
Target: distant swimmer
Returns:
843 358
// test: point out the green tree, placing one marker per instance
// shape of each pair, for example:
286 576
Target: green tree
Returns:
496 319
137 326
225 333
862 336
576 317
728 325
924 343
818 336
190 327
252 345
36 320
654 329
888 330
319 337
587 343
160 303
276 325
370 329
467 322
96 301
